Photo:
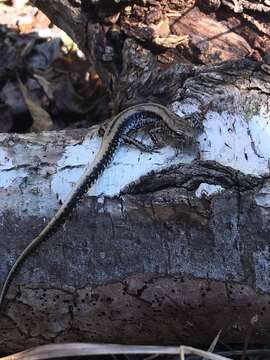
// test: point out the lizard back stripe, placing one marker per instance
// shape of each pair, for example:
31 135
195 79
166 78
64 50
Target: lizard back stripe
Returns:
131 119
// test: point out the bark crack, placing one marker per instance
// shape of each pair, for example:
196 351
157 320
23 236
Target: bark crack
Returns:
191 176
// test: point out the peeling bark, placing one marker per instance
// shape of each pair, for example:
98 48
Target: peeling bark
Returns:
175 31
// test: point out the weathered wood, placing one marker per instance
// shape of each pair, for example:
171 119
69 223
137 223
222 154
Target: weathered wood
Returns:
179 253
186 248
202 32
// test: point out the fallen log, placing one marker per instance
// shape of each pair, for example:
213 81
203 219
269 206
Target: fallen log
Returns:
183 251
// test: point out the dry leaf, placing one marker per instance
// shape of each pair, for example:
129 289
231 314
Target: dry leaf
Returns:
41 119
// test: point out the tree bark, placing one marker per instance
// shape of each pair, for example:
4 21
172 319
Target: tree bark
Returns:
182 252
171 250
207 32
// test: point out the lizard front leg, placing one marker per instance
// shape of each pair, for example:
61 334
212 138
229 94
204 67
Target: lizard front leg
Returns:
139 145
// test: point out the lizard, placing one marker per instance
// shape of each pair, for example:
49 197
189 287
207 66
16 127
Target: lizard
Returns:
116 132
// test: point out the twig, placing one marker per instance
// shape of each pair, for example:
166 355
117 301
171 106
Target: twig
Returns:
79 349
205 354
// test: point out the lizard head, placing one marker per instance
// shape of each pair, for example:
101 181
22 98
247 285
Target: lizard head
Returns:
182 128
188 126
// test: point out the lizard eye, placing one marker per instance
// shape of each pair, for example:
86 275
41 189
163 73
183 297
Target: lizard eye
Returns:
101 131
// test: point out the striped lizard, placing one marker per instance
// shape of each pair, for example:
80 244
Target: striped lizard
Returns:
117 131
